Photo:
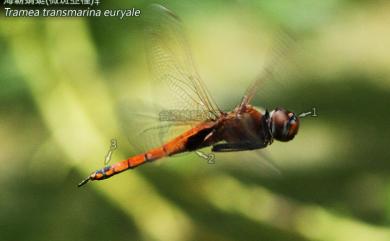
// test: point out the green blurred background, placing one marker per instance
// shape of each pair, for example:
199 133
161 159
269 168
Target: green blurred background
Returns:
62 79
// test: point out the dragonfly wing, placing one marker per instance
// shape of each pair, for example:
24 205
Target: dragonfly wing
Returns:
145 128
176 81
179 96
278 53
267 161
255 162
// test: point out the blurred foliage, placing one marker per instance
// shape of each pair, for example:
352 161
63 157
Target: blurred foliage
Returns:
62 80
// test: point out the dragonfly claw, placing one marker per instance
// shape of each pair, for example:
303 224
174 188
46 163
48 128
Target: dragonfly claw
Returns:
84 181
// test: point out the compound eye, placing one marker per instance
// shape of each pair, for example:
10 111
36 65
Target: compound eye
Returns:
293 125
284 124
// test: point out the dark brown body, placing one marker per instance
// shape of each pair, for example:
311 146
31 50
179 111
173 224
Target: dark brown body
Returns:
243 125
245 128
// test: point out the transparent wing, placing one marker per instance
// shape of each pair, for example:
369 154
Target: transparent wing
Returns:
278 53
144 127
176 81
179 96
255 162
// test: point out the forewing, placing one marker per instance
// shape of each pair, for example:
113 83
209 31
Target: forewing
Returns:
175 80
253 161
179 96
278 53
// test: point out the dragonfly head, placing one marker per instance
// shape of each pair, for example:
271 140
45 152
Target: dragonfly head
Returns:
284 124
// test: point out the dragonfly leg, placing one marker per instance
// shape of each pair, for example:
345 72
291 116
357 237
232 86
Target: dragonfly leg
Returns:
238 146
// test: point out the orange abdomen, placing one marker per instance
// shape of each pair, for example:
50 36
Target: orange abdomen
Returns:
188 141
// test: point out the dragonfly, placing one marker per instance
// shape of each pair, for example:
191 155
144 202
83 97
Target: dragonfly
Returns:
244 128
